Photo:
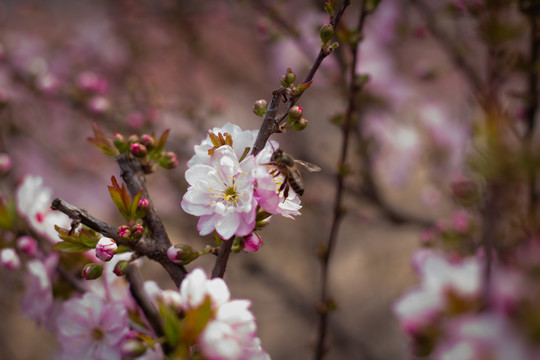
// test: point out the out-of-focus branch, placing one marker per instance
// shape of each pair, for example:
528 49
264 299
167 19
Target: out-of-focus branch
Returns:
326 250
453 51
156 246
273 118
136 287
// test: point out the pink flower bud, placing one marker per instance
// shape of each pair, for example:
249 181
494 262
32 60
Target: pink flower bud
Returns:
105 249
121 267
5 163
295 113
169 161
92 271
182 254
143 208
148 141
137 231
138 149
9 259
27 245
132 348
175 254
120 142
252 242
124 232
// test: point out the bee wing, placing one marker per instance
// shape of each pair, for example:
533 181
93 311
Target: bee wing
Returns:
308 166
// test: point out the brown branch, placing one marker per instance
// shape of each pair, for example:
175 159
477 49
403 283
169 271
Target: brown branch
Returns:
136 287
273 118
338 211
156 246
82 215
223 256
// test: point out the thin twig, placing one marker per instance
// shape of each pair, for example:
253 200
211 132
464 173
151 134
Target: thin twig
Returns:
82 215
273 118
354 88
136 287
223 256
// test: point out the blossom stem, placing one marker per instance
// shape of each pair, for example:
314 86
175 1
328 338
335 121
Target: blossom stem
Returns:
223 256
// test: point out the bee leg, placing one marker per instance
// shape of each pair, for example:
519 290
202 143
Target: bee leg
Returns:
286 193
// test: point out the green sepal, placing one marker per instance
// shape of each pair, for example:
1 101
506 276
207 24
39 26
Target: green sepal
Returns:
171 325
8 214
160 145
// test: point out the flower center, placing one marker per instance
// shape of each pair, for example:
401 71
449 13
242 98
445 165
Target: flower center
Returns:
230 194
97 334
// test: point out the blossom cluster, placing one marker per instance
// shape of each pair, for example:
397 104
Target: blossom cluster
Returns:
230 332
454 315
227 185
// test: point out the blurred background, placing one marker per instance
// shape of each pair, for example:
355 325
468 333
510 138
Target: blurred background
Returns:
137 66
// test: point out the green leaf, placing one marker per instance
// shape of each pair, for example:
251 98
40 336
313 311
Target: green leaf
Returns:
134 205
161 142
102 142
7 214
121 198
195 321
71 246
89 237
171 325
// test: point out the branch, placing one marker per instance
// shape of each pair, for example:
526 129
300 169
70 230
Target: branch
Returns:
82 215
136 287
272 119
156 246
326 251
223 256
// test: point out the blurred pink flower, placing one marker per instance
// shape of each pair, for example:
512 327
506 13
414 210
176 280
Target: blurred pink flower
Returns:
27 245
91 328
439 277
90 81
221 193
33 203
9 259
37 302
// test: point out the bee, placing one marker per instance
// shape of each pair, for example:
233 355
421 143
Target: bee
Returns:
288 166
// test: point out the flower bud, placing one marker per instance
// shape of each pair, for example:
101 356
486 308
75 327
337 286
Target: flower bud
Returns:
327 33
27 245
252 242
172 299
283 81
138 149
169 161
137 231
182 254
465 191
133 138
300 124
9 259
92 271
295 113
105 249
124 232
148 141
290 77
120 142
259 107
132 348
121 267
5 163
143 208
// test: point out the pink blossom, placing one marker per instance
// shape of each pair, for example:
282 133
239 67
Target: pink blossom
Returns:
196 287
221 193
105 249
420 305
5 163
91 328
252 242
99 104
461 221
90 81
37 302
9 259
33 203
27 245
